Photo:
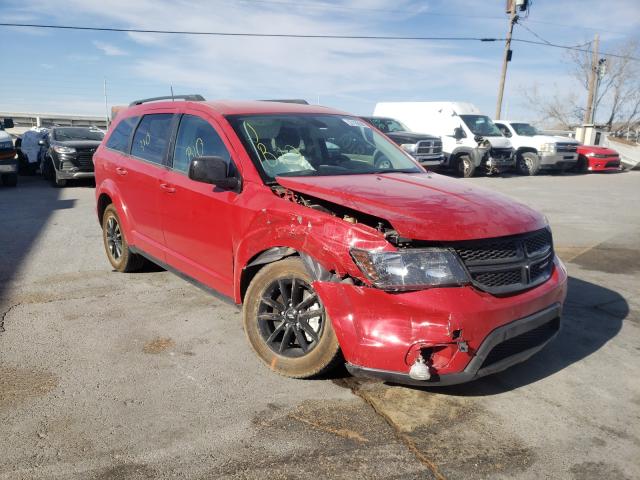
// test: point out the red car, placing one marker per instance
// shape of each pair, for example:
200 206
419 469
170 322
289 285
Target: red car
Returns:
402 273
592 158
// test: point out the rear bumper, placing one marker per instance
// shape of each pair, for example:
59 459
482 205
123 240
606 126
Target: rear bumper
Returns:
382 333
546 321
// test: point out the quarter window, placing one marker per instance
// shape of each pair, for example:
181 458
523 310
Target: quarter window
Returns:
152 136
197 138
119 138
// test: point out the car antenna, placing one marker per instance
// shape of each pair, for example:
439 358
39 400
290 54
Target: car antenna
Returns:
172 99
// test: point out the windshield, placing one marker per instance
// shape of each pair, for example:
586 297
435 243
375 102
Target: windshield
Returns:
76 133
299 145
388 125
481 125
525 129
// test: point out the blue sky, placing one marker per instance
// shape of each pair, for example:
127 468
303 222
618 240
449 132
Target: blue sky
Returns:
63 71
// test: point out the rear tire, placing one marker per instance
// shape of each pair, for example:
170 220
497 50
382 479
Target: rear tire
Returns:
286 323
116 245
465 167
528 163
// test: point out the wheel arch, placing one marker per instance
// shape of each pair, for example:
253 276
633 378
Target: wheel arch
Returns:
526 150
108 194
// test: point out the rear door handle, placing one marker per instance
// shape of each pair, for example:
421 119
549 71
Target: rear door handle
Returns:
121 171
167 188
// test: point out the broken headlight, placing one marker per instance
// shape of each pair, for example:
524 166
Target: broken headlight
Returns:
411 269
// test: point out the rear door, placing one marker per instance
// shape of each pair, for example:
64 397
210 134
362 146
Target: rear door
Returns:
141 176
198 218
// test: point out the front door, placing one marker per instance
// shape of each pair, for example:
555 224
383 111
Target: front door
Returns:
198 218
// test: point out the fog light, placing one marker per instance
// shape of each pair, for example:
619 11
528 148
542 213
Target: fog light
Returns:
419 370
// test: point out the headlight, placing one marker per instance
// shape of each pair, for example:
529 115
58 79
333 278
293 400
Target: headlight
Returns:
61 149
411 269
548 148
409 147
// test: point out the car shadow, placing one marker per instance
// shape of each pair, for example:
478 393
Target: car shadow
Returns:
592 316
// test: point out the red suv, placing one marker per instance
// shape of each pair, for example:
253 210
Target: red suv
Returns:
403 273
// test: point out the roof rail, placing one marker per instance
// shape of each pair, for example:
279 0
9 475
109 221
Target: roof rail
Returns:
289 100
193 98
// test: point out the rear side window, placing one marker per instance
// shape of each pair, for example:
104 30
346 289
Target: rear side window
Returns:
196 138
119 138
152 137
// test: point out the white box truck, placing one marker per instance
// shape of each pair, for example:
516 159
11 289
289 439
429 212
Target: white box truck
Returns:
470 140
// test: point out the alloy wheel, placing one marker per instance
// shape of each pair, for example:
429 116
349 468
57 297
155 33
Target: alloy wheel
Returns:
291 317
114 239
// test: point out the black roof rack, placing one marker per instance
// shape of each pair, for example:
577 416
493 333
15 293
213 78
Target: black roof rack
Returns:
289 100
193 98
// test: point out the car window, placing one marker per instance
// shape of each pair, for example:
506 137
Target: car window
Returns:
63 134
119 138
504 129
152 136
309 145
196 138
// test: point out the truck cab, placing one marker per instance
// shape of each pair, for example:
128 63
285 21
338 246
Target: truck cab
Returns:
536 151
8 161
470 140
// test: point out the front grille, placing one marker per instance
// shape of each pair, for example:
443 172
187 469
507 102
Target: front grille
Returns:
501 153
566 147
84 160
509 264
429 147
525 341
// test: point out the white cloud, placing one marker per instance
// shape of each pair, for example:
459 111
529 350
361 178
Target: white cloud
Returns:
109 49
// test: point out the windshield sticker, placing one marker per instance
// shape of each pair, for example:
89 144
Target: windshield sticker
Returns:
352 122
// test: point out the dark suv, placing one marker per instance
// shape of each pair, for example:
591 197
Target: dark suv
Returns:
335 254
68 153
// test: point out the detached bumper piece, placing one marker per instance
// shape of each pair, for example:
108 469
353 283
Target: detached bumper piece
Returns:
505 346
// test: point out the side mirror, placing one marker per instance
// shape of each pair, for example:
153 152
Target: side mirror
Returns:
213 170
458 133
8 123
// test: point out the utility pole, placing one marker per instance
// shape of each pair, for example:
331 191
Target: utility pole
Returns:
588 114
513 19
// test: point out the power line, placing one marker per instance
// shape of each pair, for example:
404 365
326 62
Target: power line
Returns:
244 34
310 36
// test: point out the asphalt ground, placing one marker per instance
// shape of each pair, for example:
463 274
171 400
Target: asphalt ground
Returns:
139 376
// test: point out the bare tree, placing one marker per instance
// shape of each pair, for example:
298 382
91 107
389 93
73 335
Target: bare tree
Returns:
618 99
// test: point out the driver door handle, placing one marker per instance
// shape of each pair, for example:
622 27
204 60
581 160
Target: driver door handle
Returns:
121 171
168 188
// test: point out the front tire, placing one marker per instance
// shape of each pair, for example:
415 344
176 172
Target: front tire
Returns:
465 167
115 243
286 323
528 163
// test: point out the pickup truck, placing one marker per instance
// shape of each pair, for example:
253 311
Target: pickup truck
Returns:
8 161
426 149
535 151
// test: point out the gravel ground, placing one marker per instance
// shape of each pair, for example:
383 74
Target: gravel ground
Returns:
136 376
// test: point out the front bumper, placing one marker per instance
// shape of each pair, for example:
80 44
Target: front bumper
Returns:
68 175
558 160
430 160
609 164
8 163
382 333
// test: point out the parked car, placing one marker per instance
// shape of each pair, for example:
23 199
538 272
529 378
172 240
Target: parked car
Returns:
69 153
592 158
470 140
8 161
406 274
536 151
31 150
426 149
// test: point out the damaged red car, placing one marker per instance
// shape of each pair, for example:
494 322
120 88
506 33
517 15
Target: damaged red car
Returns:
400 273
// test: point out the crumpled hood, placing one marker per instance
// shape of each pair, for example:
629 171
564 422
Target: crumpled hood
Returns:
499 142
424 206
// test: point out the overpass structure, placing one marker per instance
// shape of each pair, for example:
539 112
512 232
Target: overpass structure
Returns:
23 121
